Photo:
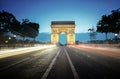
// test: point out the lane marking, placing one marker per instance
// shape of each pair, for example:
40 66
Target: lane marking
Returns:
50 66
72 66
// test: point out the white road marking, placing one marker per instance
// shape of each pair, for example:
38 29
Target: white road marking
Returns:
50 66
72 66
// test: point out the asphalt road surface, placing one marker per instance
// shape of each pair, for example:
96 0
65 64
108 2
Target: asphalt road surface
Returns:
60 63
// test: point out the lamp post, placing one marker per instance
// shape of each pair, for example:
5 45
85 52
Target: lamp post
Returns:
116 36
9 38
9 41
6 43
15 40
14 36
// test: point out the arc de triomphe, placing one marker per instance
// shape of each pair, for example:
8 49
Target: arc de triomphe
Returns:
68 27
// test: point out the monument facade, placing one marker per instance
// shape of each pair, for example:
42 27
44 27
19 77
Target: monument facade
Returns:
58 27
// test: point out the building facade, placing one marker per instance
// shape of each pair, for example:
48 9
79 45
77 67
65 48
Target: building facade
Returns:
58 27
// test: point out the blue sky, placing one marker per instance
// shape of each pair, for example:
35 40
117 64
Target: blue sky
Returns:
86 13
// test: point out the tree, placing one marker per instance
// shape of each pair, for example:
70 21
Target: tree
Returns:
30 29
35 28
109 23
92 33
8 23
103 25
115 21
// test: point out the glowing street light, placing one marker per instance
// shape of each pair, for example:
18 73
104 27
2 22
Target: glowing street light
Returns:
116 34
14 35
9 38
6 41
15 40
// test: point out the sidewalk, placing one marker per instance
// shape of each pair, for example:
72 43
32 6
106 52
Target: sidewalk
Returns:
15 51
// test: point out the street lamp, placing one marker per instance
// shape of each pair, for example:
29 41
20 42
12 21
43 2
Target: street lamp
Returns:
6 41
15 40
14 36
116 36
9 38
9 41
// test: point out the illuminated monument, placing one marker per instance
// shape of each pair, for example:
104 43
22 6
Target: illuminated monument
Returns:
68 27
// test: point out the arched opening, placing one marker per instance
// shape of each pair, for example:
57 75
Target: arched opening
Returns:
63 38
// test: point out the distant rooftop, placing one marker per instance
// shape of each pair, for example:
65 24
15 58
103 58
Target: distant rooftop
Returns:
62 22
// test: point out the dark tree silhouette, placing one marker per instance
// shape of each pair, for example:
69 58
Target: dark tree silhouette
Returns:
115 21
8 22
109 23
92 33
35 28
30 29
103 25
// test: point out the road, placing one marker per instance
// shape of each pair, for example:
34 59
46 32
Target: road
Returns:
60 63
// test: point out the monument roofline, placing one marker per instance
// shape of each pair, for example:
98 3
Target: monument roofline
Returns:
63 23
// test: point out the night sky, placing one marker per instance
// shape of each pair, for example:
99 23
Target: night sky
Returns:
86 13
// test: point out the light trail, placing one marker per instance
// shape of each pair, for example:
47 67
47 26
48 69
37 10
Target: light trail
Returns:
7 53
114 52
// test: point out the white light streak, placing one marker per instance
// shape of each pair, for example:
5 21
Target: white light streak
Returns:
12 52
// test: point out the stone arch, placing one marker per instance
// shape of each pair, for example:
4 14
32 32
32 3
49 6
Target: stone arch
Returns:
63 26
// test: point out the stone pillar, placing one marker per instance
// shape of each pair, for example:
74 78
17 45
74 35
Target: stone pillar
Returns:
55 38
71 38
